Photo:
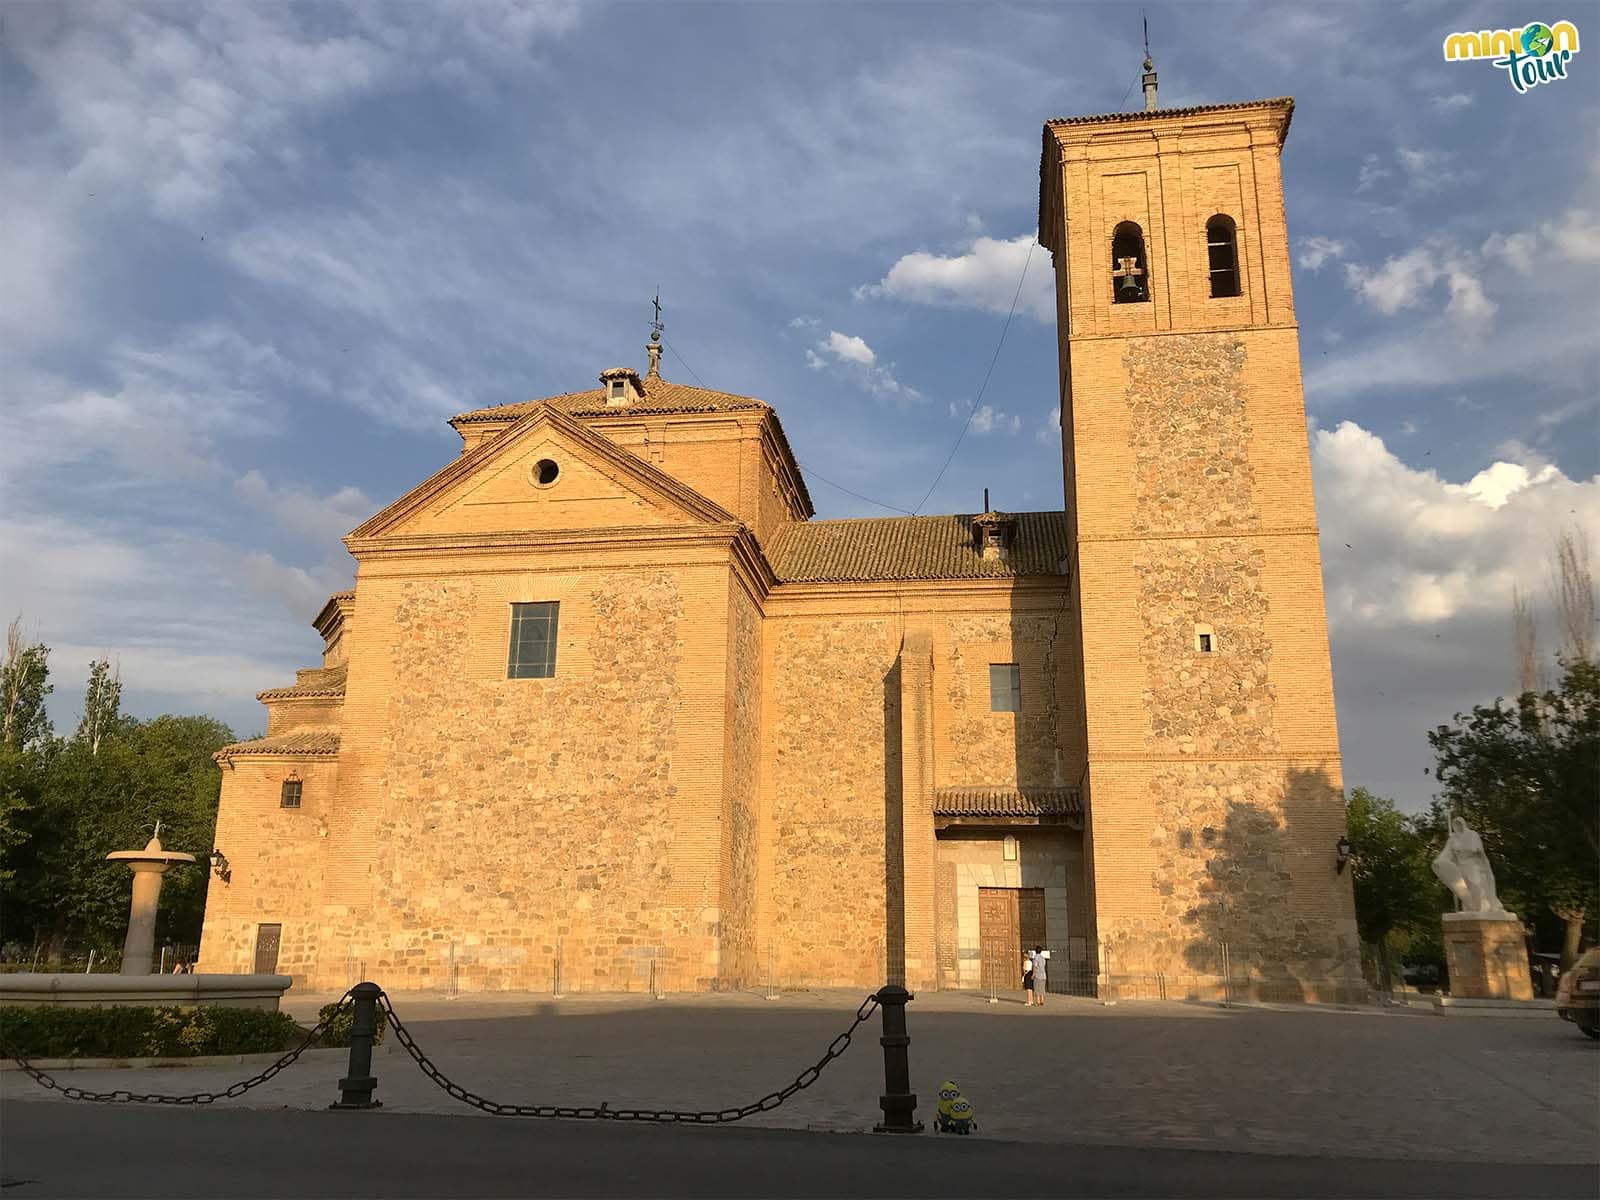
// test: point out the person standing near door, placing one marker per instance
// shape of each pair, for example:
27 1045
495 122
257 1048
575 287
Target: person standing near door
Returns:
1040 958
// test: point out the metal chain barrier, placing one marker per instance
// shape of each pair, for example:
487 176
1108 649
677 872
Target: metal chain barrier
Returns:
233 1092
605 1112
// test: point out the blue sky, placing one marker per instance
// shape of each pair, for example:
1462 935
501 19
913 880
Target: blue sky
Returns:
255 255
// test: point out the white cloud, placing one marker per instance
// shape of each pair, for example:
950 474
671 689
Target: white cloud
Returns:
40 247
804 323
849 349
1049 431
984 277
1425 170
850 357
988 419
1451 103
1423 550
320 519
189 618
1418 574
1406 280
1371 173
163 410
1552 264
179 111
301 591
1315 251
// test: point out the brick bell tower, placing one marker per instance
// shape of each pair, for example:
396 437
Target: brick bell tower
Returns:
1212 777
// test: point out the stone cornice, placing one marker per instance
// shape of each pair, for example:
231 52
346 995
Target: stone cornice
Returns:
751 569
787 468
603 448
1165 535
1047 588
534 541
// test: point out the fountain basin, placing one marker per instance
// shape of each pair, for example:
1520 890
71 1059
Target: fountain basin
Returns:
230 991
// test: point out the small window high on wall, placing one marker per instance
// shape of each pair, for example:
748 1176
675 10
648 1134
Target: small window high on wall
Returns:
1005 687
1222 249
1130 273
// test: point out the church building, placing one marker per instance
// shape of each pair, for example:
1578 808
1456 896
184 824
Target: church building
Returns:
607 709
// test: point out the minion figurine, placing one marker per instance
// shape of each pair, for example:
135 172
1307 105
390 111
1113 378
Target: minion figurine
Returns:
955 1111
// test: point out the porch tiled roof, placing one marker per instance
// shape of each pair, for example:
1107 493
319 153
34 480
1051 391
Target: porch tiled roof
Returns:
1007 802
906 548
327 682
311 743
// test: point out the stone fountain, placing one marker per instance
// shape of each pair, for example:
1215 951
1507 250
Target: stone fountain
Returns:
148 866
135 984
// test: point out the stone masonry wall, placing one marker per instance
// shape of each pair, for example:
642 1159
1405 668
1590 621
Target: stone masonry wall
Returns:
1191 434
1225 844
999 749
830 689
1214 703
517 819
276 865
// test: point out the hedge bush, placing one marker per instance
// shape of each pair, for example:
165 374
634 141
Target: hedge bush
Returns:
67 1031
338 1031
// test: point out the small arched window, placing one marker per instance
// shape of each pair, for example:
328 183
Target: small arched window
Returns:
1222 249
1130 273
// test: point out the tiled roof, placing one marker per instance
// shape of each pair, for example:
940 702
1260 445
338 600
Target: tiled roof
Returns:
1007 802
312 685
314 743
1286 102
660 396
903 548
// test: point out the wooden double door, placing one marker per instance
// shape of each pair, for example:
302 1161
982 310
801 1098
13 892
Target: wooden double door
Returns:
1010 921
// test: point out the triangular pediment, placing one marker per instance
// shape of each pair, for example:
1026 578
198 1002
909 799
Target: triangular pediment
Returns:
547 472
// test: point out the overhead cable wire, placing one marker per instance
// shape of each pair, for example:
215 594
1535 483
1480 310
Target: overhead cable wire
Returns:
971 412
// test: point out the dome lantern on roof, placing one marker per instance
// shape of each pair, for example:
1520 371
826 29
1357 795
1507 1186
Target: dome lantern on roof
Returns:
622 386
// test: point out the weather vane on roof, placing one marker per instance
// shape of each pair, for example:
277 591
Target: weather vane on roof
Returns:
1149 77
654 348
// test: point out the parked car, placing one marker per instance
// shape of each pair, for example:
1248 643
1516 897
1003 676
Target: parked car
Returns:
1578 997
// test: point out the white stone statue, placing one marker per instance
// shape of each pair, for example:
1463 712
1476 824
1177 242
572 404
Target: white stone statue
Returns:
1464 869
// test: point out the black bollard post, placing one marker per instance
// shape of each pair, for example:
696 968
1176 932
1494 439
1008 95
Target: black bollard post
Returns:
357 1086
899 1102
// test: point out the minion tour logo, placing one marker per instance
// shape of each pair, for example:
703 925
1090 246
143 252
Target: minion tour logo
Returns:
1535 54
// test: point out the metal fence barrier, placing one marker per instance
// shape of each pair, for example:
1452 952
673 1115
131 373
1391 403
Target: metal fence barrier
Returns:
356 1089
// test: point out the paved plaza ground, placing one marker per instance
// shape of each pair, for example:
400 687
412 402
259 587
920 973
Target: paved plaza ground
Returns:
1307 1082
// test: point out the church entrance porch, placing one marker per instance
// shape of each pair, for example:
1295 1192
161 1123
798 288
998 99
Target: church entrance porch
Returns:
1000 889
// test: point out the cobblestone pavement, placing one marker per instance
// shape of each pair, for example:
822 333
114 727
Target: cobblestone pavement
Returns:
1309 1081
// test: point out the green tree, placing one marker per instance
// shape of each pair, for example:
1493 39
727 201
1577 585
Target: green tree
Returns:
90 802
102 700
24 683
1394 888
1524 776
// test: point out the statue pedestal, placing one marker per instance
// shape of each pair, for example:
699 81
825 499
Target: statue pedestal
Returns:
1487 957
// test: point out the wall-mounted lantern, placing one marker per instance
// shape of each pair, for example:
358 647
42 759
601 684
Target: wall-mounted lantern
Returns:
1341 850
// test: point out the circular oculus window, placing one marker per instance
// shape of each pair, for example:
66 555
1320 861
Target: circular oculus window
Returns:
544 473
